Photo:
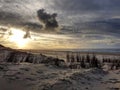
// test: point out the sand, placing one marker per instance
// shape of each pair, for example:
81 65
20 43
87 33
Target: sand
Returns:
27 76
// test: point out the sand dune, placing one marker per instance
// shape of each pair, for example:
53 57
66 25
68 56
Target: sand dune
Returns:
41 77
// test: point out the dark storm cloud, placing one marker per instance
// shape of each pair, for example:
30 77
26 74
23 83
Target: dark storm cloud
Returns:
104 26
49 20
86 10
8 17
16 20
86 5
76 5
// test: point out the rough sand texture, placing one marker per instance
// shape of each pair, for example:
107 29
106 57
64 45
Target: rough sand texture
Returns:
45 77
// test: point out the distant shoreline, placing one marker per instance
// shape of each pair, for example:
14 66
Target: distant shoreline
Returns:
81 52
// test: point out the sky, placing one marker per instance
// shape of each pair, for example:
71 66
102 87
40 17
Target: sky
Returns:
60 24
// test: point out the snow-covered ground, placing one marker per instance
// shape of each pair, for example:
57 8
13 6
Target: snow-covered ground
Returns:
27 76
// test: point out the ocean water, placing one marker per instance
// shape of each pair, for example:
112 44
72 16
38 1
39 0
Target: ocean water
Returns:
97 50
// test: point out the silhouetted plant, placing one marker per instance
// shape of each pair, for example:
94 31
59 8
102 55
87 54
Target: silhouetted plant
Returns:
72 58
94 62
77 58
82 58
88 58
11 57
68 57
82 64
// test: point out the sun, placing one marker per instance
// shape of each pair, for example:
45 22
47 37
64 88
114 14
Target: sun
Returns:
17 37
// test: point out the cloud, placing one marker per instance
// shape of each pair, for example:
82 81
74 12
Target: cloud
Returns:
9 17
76 5
31 26
48 20
86 5
3 29
106 26
27 35
82 20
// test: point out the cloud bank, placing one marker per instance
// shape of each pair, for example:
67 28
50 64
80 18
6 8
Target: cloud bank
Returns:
94 22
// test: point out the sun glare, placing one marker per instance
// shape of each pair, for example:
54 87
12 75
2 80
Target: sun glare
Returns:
17 37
